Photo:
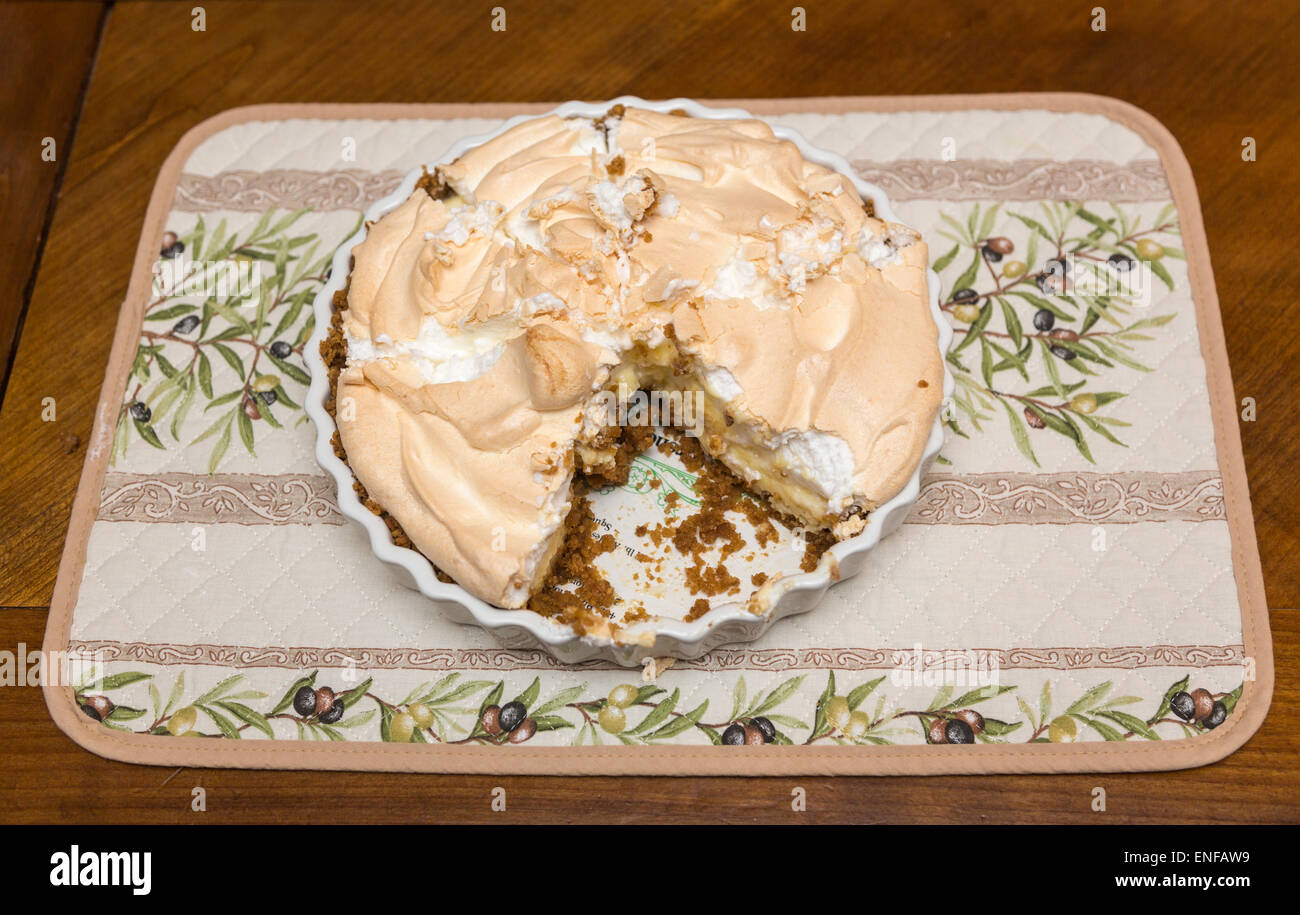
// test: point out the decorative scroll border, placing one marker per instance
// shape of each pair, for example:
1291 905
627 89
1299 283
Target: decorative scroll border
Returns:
724 659
251 191
1075 497
292 188
244 498
1021 179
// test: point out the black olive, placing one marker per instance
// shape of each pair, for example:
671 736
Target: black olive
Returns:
268 397
1183 705
304 701
1216 717
512 715
90 711
333 713
140 410
965 295
173 249
280 349
186 324
734 736
958 731
1044 319
991 255
766 727
1121 262
1061 352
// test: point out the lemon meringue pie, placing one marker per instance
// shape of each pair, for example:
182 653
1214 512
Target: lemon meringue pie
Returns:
487 318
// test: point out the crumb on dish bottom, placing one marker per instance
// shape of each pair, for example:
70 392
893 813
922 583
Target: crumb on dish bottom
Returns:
585 606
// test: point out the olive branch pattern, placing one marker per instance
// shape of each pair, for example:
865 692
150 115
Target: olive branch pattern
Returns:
453 710
258 330
1044 345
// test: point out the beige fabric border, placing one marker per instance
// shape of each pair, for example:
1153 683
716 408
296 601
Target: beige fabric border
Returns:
628 760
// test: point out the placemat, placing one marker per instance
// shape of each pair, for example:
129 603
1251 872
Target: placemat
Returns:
1077 588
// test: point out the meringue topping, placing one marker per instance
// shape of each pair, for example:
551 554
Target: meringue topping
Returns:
479 326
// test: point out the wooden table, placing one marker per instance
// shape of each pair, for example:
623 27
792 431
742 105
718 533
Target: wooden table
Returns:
116 86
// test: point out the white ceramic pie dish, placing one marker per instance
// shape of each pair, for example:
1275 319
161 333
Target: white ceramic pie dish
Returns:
725 623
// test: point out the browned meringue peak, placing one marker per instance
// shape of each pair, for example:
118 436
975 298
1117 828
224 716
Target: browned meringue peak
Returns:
545 369
388 295
561 248
477 471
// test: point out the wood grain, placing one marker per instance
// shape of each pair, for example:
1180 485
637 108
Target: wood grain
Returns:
45 55
1213 76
